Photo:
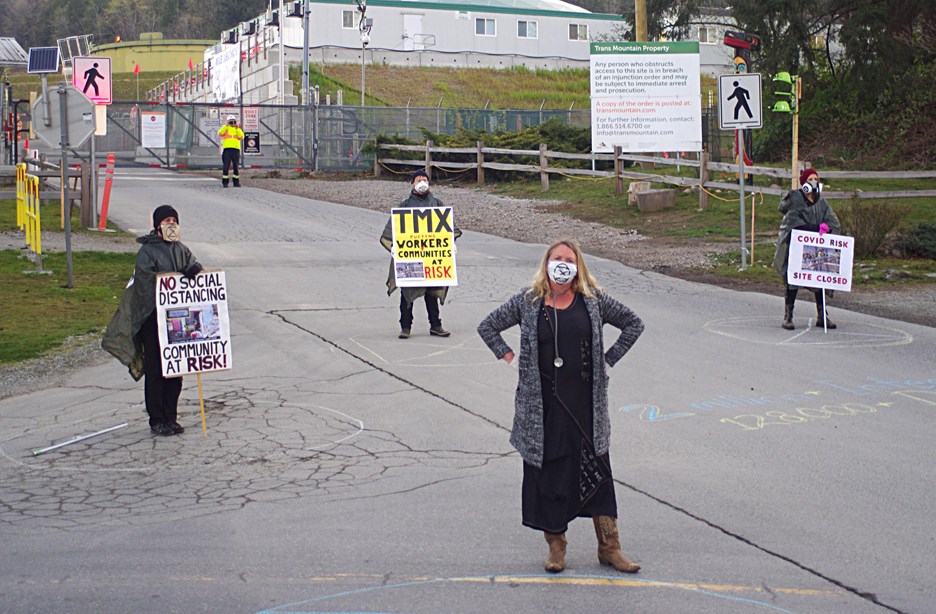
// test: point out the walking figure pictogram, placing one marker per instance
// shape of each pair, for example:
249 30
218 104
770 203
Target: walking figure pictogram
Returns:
742 96
91 76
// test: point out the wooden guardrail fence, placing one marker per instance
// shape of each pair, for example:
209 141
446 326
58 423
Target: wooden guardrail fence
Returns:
703 180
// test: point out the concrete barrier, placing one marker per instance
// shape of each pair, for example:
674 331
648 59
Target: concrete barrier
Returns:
656 200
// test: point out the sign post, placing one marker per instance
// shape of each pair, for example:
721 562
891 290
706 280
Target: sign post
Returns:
739 107
92 75
71 123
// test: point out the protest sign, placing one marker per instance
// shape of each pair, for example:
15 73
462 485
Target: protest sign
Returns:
820 261
192 316
424 247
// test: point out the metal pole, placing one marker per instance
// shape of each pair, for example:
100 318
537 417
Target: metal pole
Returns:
66 193
363 47
3 113
305 53
94 177
168 130
281 99
738 136
305 82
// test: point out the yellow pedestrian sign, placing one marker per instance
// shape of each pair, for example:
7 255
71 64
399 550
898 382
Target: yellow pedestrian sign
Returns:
92 77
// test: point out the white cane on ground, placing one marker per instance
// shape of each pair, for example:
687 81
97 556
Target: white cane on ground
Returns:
77 439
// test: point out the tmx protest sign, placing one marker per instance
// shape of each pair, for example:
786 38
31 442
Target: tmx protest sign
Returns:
192 317
820 261
424 247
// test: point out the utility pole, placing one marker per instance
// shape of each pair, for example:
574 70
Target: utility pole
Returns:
640 20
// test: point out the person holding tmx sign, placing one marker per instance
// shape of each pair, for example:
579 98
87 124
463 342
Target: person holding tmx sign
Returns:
803 209
561 425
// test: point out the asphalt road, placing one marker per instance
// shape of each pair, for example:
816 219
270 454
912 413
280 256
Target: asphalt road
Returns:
345 470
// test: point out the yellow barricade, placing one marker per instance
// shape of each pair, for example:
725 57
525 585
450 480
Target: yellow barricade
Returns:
33 220
20 195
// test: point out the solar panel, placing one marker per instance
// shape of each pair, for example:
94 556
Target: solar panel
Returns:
43 60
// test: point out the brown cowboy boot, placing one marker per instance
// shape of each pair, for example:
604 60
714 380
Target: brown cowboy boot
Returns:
555 562
609 545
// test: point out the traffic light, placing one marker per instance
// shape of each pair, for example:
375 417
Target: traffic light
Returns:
788 81
740 64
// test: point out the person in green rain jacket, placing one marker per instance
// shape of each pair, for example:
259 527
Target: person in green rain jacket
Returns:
132 334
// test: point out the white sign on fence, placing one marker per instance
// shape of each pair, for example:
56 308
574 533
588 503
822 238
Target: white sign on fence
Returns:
646 97
153 129
820 261
251 121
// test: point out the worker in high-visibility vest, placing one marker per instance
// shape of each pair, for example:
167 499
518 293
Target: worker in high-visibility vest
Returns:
231 137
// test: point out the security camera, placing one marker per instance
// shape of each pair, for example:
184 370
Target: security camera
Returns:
365 39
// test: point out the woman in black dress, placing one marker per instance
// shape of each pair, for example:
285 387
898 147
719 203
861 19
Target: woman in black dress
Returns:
561 423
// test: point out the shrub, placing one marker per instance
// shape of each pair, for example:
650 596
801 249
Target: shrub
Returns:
919 241
871 222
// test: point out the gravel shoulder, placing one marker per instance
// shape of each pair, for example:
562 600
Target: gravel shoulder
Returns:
528 221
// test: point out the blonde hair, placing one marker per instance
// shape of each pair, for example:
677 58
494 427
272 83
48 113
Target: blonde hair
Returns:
583 283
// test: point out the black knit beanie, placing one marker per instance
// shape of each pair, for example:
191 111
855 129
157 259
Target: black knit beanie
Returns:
162 212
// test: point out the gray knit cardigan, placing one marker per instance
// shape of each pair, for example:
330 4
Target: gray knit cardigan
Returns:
523 309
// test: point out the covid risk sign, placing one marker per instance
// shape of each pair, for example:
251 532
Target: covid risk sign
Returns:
192 317
424 247
820 261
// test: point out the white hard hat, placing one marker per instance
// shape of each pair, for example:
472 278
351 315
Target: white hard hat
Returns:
231 118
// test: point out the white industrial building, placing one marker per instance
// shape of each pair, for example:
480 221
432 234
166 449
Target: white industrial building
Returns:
536 34
478 33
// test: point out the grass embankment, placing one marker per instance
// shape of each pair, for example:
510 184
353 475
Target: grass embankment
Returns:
594 201
463 88
38 312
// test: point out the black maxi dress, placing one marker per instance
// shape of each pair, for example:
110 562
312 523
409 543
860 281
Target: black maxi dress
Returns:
554 495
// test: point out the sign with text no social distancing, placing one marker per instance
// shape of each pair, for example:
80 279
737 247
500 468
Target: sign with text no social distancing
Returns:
193 324
646 97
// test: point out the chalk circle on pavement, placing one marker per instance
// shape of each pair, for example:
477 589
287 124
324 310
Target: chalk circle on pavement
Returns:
765 329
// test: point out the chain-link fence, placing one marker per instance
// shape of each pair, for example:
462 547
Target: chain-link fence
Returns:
319 137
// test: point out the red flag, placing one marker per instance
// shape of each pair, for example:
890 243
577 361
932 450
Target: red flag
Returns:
136 69
190 65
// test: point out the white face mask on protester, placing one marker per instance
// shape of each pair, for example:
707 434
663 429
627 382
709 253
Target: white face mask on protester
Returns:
170 232
421 187
561 272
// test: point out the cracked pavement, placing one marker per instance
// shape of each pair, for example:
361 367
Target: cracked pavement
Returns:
346 470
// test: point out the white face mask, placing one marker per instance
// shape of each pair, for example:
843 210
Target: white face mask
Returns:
421 187
170 232
561 272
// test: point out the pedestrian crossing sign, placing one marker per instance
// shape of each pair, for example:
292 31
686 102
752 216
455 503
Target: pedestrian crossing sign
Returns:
739 101
92 76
